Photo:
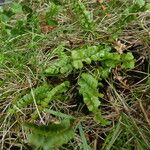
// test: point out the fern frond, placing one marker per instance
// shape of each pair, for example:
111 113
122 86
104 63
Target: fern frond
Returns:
63 87
83 16
50 136
59 114
88 54
27 99
89 90
103 54
60 66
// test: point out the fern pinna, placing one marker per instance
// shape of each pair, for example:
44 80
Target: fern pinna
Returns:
89 90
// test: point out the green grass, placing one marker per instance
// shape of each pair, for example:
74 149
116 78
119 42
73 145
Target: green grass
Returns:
75 75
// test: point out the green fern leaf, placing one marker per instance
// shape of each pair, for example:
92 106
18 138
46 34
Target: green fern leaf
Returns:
89 54
89 90
63 87
50 136
60 66
103 72
27 99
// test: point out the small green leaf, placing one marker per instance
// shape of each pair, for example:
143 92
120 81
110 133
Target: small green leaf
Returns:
78 64
127 61
127 57
128 65
147 6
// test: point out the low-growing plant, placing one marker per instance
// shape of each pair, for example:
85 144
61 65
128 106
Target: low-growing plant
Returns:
43 96
76 70
48 137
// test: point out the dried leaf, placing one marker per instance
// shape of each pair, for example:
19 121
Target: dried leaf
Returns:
120 47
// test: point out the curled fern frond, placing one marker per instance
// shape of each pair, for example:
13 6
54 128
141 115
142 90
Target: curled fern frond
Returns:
89 90
50 136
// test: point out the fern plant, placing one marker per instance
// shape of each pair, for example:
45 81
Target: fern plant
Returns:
89 90
48 137
103 54
83 16
43 95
